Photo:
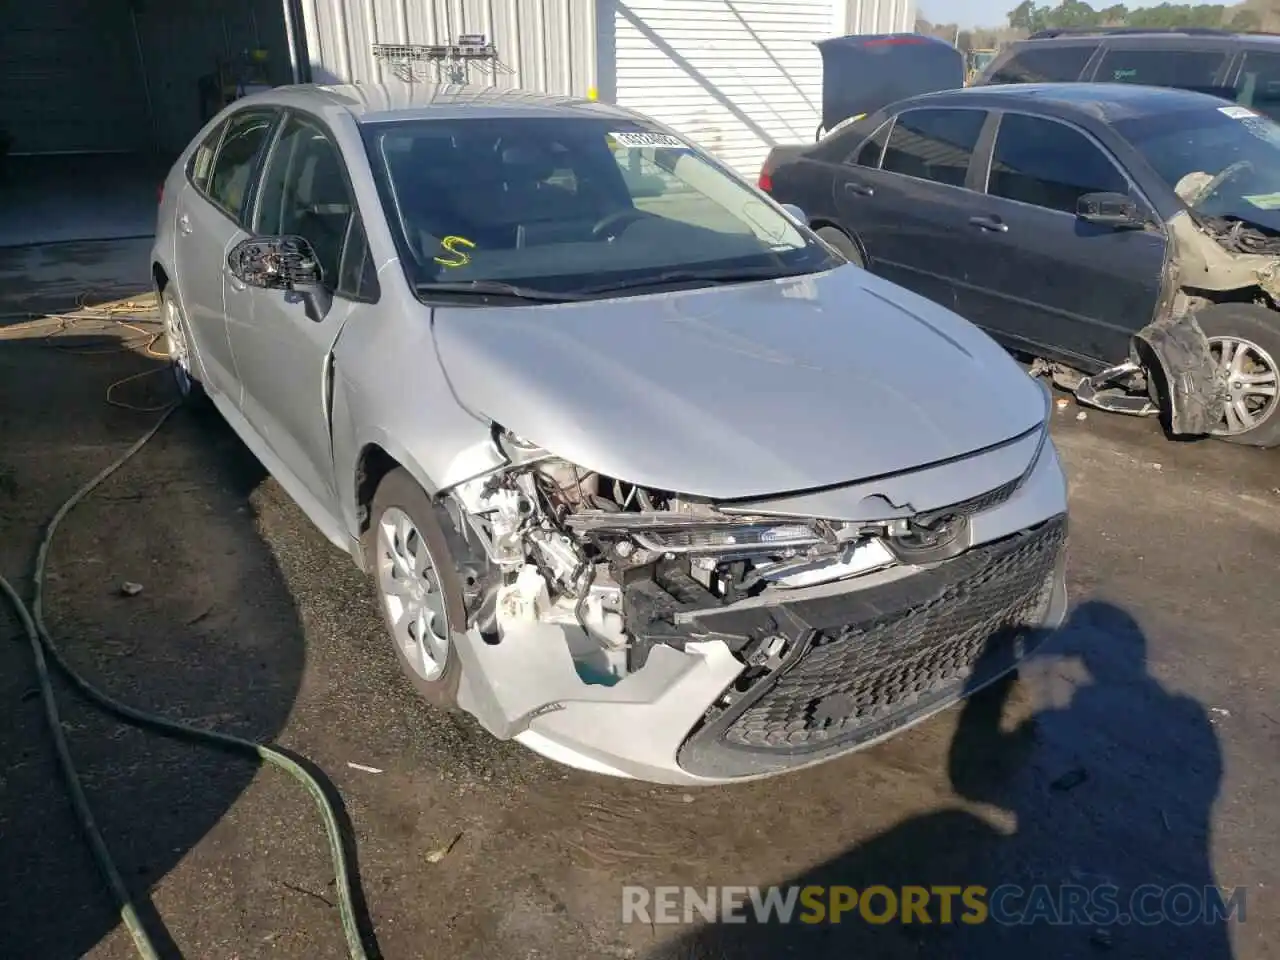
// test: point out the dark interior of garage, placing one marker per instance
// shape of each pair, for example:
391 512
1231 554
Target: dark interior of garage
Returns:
98 96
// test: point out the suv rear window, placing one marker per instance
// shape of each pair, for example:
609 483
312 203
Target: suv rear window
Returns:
1044 64
1162 67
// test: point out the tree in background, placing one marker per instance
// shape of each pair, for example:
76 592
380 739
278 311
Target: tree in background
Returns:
1030 16
964 40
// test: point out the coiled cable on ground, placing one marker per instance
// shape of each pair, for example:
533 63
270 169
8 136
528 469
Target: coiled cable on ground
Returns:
44 649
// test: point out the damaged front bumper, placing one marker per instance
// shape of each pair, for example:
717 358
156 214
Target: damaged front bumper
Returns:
1173 355
835 667
1179 350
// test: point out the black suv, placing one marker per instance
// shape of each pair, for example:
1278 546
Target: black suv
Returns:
1241 67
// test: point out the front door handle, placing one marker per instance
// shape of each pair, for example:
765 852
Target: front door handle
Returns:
994 224
184 223
860 189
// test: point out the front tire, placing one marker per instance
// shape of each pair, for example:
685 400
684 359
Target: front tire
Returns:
419 590
844 244
1244 340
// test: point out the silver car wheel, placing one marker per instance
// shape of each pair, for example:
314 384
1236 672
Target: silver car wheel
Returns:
1249 378
410 590
175 336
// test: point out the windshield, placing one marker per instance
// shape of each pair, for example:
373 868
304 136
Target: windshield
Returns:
1223 161
572 205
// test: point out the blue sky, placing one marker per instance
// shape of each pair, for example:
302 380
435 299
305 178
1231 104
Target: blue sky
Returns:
986 13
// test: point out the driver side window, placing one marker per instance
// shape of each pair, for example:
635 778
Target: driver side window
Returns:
304 193
1049 164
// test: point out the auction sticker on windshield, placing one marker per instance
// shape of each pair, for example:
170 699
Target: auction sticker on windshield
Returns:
640 138
1237 113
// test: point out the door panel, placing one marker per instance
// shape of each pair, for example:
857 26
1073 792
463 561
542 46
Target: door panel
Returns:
203 235
208 224
283 354
1050 280
908 211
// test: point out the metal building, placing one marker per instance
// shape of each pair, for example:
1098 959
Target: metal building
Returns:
736 75
97 76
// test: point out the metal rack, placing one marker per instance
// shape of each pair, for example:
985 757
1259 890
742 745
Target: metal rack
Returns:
441 62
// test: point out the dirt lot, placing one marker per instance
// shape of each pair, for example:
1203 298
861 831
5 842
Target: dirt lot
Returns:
1143 746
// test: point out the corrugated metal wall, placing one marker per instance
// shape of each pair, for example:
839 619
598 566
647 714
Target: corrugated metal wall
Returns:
881 16
546 45
736 76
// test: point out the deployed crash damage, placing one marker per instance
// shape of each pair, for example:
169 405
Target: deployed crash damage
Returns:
1208 360
644 633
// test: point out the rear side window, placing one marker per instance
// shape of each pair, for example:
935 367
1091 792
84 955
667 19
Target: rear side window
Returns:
1044 64
1048 164
237 157
872 150
1186 69
201 164
934 144
1259 84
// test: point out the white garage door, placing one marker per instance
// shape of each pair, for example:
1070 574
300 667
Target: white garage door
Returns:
737 76
70 77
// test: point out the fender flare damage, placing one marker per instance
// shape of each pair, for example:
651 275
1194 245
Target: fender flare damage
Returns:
1177 349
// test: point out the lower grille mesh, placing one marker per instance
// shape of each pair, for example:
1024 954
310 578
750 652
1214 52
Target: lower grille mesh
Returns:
855 679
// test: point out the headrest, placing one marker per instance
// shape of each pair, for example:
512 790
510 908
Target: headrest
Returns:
528 161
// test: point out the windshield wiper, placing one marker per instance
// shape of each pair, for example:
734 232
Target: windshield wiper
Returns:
741 275
492 288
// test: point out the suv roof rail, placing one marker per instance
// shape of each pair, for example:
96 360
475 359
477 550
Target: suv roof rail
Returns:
1053 32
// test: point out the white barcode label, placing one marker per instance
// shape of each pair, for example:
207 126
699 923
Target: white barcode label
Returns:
639 138
1237 113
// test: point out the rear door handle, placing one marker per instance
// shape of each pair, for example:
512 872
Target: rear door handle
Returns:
994 224
861 189
184 223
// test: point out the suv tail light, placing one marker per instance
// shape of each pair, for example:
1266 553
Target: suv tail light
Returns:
766 181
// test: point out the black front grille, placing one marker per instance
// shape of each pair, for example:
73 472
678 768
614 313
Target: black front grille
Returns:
875 659
974 505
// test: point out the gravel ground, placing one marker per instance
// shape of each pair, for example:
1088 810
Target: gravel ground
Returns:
1141 746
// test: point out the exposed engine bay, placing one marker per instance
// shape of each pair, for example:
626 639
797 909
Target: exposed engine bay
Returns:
623 567
1243 237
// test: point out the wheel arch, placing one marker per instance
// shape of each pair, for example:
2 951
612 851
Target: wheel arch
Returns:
818 223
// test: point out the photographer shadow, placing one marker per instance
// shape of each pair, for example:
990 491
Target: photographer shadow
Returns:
1112 791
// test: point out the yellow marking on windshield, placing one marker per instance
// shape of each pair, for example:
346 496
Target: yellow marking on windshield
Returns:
450 245
1264 201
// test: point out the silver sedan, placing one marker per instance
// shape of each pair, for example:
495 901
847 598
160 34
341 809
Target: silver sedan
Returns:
649 478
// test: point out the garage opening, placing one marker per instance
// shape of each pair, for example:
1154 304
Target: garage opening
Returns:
98 96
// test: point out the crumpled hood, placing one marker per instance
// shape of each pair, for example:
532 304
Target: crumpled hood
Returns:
744 390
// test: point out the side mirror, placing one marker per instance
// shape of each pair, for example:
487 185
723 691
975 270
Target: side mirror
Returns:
275 263
796 213
283 263
1114 210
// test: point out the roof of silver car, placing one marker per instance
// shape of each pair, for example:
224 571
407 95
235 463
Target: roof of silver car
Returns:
369 102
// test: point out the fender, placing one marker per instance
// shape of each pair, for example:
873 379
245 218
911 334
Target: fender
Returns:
1177 348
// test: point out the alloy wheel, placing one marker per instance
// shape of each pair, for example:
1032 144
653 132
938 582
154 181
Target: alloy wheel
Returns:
1250 382
176 343
410 589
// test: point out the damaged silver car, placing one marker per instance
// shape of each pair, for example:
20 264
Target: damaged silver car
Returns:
639 467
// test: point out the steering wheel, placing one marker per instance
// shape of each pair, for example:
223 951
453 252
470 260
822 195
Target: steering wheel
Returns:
611 225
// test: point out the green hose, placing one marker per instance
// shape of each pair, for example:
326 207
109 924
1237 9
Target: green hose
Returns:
32 620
